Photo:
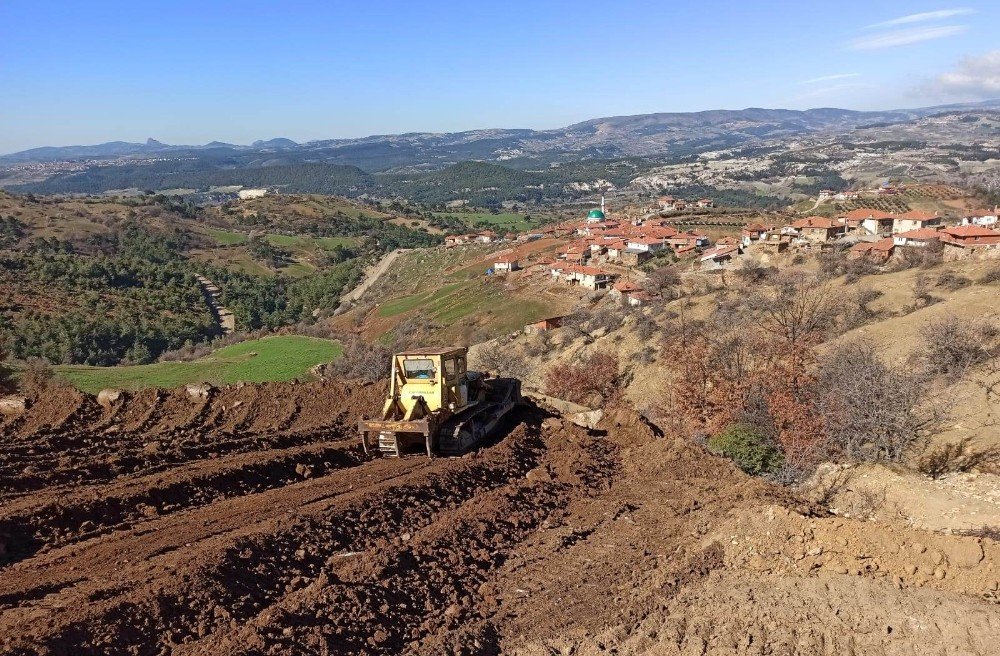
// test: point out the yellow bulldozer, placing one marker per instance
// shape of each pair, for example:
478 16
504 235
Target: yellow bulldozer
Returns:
436 405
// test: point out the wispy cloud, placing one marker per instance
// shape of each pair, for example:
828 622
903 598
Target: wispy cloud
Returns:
923 17
973 77
830 89
830 78
906 37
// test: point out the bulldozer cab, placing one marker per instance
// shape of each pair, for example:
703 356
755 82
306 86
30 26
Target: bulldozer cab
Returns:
425 381
436 405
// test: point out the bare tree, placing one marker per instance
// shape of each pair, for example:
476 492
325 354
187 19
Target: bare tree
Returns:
362 360
796 308
665 281
500 358
873 411
952 345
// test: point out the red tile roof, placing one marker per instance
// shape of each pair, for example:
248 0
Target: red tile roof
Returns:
882 245
914 215
969 231
815 222
921 233
626 286
719 251
867 213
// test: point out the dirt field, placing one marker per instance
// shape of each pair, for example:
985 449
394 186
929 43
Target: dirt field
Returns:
251 523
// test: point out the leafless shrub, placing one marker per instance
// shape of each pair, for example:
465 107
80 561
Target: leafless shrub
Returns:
644 326
924 257
37 376
500 358
950 346
953 281
922 296
362 360
538 344
857 311
985 532
645 355
606 318
991 276
752 271
593 381
578 320
665 281
956 457
865 503
872 411
825 487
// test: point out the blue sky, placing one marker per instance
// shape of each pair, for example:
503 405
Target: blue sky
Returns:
190 72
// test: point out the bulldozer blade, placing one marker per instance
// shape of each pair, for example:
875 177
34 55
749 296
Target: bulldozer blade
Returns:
395 428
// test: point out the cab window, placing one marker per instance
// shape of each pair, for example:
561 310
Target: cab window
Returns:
419 369
450 369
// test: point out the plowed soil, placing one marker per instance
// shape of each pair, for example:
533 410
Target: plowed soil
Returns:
250 522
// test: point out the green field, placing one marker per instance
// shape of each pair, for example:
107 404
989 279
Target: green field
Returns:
226 237
231 238
506 222
278 358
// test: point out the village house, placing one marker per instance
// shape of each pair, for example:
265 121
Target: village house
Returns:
648 244
920 237
634 256
705 202
641 297
914 220
486 237
825 194
687 239
666 202
455 240
818 229
576 274
878 223
622 289
506 264
616 248
753 232
543 325
718 257
983 217
966 241
774 242
877 251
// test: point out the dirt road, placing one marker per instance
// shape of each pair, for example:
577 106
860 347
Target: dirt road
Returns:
250 523
372 274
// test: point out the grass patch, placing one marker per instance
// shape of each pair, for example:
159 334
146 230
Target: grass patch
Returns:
298 241
232 238
226 237
504 222
407 303
279 358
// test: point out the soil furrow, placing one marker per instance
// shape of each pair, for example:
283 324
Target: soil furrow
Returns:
229 578
403 592
61 517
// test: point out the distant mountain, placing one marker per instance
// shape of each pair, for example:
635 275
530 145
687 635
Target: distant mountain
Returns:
643 135
279 144
515 164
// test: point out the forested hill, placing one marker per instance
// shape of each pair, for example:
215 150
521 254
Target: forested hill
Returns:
105 281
